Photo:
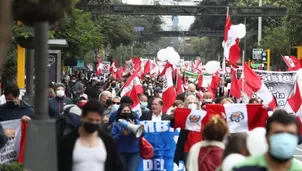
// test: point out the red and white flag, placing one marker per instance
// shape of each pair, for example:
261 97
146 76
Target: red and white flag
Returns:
239 117
255 83
132 82
99 67
136 107
295 100
231 43
169 95
292 62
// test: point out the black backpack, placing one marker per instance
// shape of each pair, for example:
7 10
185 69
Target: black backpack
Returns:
67 122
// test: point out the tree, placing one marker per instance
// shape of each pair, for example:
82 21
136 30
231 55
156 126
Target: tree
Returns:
80 32
278 42
115 29
293 22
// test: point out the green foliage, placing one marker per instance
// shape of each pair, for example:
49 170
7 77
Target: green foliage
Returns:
81 33
10 66
11 167
293 22
278 42
115 29
20 30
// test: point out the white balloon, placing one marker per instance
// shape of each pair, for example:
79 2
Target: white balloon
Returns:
174 58
256 141
231 161
212 67
241 31
162 55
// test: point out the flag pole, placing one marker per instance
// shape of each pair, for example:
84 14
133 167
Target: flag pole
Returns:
223 61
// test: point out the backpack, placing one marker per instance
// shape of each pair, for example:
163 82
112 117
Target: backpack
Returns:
69 121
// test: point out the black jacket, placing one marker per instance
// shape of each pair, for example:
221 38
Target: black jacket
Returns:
66 146
147 116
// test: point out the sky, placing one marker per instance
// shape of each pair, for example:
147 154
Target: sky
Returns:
184 21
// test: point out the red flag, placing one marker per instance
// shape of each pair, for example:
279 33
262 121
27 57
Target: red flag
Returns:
147 68
200 80
179 85
235 89
22 141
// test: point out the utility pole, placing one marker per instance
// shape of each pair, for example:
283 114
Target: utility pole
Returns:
260 26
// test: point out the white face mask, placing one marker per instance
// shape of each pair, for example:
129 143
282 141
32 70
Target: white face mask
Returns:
192 106
160 95
207 100
60 93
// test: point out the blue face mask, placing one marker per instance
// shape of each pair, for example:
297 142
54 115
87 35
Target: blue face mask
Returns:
144 104
283 146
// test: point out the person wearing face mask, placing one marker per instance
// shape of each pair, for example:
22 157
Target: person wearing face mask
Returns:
14 108
187 138
88 147
282 131
128 143
144 102
57 103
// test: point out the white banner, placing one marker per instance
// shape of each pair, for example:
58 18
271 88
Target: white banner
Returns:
10 151
281 85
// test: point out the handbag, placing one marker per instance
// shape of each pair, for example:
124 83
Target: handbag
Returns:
146 149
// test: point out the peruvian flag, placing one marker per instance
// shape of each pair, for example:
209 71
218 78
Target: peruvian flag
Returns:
169 95
239 117
292 63
113 66
295 100
231 43
132 82
200 81
99 67
258 87
246 88
136 107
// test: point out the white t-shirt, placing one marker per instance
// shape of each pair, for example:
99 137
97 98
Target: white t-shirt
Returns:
89 158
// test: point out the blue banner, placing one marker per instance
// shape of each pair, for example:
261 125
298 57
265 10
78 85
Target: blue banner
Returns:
163 139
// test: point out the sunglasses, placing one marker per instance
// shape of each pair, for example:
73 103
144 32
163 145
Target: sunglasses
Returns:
116 103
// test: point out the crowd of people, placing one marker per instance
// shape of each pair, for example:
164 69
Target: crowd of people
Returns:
88 109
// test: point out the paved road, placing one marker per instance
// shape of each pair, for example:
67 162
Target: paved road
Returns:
298 154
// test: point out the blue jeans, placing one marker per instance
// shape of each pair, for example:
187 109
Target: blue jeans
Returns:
130 161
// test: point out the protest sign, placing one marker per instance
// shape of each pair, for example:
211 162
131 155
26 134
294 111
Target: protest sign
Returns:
163 139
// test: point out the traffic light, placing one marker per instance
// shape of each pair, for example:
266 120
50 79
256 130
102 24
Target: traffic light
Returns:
266 58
